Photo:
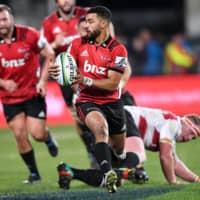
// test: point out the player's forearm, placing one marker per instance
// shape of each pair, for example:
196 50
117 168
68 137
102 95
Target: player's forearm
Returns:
167 165
126 75
106 84
184 172
110 83
49 57
2 83
45 75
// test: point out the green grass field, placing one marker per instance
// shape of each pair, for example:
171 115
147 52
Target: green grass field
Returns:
72 151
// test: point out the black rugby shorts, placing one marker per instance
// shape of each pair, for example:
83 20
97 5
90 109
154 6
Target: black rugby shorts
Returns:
35 107
113 112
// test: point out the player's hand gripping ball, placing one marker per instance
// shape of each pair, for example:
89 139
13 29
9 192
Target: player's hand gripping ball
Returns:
67 68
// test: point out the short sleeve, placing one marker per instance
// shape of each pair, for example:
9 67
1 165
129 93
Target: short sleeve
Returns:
119 59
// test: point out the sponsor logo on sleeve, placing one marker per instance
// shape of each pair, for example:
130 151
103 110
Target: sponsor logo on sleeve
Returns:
120 61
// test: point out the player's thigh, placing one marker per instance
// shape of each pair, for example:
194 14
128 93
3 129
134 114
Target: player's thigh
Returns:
16 119
131 129
96 121
37 127
115 116
92 116
18 127
134 144
36 116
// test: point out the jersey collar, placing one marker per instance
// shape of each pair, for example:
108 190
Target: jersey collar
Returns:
60 17
104 44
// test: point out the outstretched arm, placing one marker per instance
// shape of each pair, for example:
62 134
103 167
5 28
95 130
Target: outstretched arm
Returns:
167 161
172 166
182 171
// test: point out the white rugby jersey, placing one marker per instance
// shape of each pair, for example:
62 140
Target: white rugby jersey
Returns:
155 125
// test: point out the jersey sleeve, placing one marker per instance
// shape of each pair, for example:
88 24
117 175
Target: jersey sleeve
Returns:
35 40
119 59
73 48
46 31
168 131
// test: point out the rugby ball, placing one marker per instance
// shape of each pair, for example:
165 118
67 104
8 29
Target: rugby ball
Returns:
67 68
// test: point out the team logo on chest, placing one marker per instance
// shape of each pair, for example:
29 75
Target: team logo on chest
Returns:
12 63
105 58
93 68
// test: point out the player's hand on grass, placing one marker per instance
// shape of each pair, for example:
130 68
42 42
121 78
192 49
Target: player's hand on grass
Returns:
180 182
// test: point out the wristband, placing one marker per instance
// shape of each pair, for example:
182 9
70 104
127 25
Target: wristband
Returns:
87 81
196 179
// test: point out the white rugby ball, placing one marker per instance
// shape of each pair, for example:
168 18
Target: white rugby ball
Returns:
67 68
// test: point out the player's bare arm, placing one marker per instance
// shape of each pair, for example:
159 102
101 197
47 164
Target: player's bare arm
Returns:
59 40
111 83
167 161
48 54
126 75
182 171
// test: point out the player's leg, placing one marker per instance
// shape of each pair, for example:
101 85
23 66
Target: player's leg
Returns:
95 120
89 141
117 128
36 124
135 144
93 177
136 154
16 120
83 132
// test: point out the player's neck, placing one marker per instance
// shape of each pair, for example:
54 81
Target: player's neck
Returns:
8 38
65 16
102 38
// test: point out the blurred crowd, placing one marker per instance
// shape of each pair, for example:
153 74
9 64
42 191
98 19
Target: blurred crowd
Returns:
151 55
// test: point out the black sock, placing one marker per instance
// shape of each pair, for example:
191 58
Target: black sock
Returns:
49 142
116 162
89 141
29 159
102 155
131 160
90 176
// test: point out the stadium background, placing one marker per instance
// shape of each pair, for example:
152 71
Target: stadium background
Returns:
165 17
179 94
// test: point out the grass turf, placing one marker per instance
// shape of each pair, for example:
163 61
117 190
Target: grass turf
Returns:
72 151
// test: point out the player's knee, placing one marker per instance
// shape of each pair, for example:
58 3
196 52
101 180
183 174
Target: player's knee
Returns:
101 133
39 137
39 134
20 134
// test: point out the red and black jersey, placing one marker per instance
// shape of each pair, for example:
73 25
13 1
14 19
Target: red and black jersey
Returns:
54 24
19 62
95 62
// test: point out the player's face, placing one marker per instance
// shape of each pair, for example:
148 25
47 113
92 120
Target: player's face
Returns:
6 23
188 132
66 6
93 26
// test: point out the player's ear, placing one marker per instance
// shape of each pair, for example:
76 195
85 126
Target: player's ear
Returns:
103 23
